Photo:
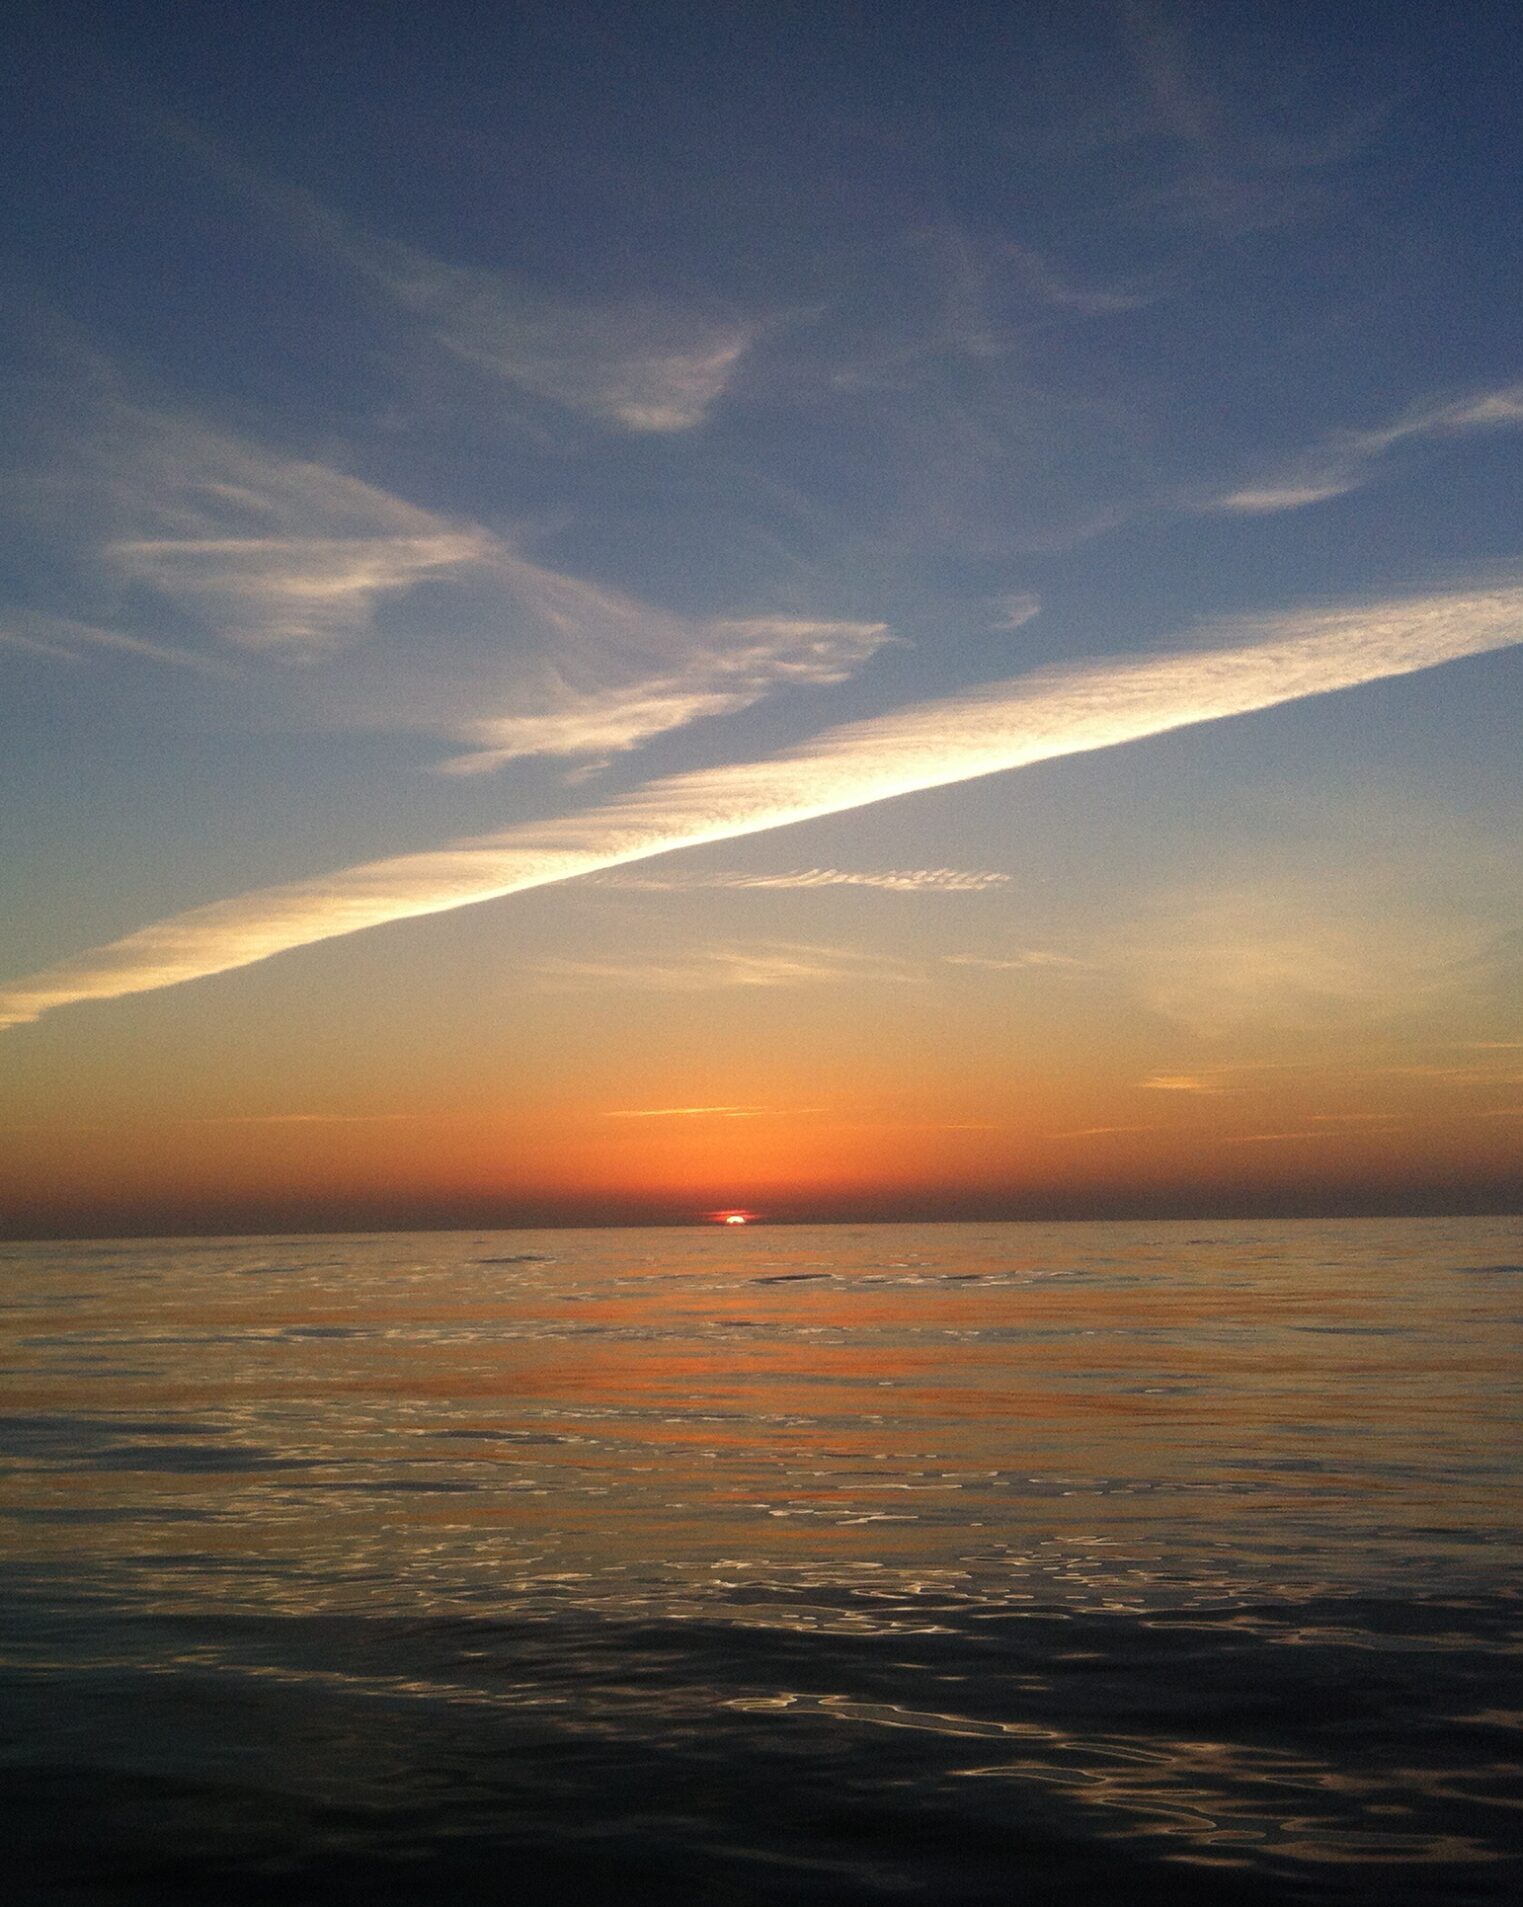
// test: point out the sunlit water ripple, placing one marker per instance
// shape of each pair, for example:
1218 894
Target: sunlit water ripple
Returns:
943 1564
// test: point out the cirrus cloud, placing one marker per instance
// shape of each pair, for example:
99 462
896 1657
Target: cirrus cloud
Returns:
1005 725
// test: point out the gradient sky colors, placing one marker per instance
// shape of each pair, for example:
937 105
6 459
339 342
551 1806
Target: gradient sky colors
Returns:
808 611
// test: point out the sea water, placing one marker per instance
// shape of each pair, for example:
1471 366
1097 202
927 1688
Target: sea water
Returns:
1081 1563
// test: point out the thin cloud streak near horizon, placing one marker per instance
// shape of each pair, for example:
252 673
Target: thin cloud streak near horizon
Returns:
904 880
1101 1132
306 1119
755 964
1001 726
712 1112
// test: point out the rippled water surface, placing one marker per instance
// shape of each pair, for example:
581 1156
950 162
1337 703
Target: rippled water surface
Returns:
885 1564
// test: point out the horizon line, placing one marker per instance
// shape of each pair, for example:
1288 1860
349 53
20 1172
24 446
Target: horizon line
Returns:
1336 1212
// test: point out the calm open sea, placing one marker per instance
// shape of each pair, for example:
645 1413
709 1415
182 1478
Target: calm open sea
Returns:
1006 1563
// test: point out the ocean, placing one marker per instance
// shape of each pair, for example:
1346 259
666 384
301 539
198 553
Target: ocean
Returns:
881 1564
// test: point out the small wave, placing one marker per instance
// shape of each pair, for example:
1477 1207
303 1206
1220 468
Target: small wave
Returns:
192 1459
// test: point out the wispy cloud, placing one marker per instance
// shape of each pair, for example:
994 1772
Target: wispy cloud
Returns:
1342 461
1295 489
641 366
1013 611
1026 958
1285 949
1232 178
267 552
1101 1132
1006 725
713 1112
950 1125
623 673
1450 1075
1269 1138
1181 1083
761 964
308 1119
917 1125
290 590
62 639
1057 288
51 1130
908 880
631 364
270 556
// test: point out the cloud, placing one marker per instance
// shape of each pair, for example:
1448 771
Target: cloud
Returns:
1027 958
1055 288
1101 1132
635 364
1233 178
666 671
62 639
1180 1083
947 1125
1289 493
1288 951
640 365
1033 718
1013 611
761 964
287 590
910 880
713 1112
1450 1075
275 557
1341 462
268 552
308 1119
1269 1138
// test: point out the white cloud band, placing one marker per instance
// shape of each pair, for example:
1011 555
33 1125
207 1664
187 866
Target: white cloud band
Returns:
1005 725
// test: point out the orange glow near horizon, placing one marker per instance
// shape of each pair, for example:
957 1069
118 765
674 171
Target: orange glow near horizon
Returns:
1029 1092
1290 1138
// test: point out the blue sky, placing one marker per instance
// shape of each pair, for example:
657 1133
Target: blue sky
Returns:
487 444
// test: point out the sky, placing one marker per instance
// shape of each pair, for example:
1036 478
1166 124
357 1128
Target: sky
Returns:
618 615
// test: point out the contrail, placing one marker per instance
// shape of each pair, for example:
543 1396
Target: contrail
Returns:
1001 726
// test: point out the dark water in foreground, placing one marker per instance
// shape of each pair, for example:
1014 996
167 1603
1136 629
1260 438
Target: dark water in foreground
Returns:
942 1565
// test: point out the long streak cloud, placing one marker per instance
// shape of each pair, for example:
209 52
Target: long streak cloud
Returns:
998 727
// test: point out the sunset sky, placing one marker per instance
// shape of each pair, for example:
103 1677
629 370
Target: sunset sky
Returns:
615 614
